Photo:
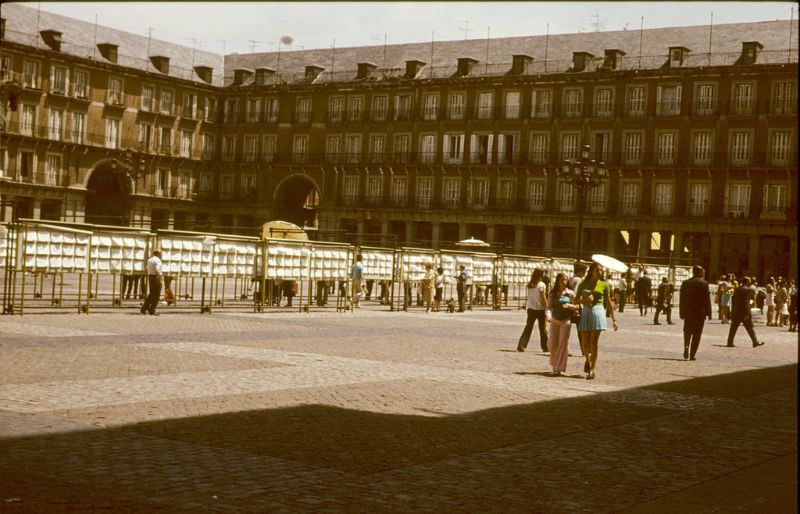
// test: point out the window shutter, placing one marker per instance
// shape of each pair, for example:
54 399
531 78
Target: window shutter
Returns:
501 148
678 96
473 148
446 146
489 149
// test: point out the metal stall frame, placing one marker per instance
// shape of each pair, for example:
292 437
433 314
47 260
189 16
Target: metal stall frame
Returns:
205 240
279 275
404 275
368 271
534 262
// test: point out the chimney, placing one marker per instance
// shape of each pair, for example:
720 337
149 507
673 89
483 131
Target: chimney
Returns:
465 65
678 55
52 38
161 63
520 63
412 68
580 61
108 51
240 75
262 74
313 71
612 59
205 73
750 51
365 70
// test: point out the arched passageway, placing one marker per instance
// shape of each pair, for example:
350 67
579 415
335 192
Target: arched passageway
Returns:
106 197
297 201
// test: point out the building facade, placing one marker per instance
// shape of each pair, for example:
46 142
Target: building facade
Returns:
428 148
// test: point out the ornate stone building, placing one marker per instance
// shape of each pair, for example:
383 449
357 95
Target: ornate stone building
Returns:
417 144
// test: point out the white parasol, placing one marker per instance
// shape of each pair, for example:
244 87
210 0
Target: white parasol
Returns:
283 230
472 242
610 263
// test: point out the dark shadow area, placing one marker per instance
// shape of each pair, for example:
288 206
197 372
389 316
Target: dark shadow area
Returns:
81 471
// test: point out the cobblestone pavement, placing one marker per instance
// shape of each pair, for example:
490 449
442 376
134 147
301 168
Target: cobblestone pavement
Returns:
377 411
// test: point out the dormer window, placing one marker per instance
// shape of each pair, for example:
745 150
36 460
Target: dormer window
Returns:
262 75
365 70
750 51
678 56
240 76
412 69
52 38
205 73
108 51
612 59
580 61
520 63
465 65
313 71
161 63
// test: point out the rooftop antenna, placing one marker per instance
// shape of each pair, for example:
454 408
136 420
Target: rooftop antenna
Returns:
433 37
224 43
486 66
463 26
149 37
710 35
286 40
791 24
385 42
38 13
94 48
641 37
598 24
253 44
546 45
333 56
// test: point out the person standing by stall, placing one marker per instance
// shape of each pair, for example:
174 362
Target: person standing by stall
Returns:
357 278
428 284
461 286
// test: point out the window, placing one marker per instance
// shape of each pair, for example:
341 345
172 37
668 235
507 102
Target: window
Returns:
165 140
636 100
333 149
303 110
485 106
300 148
226 187
209 147
481 148
456 106
402 107
204 183
112 133
566 196
698 198
6 70
507 148
430 107
148 96
424 191
336 109
352 148
630 197
705 99
427 144
250 147
30 74
505 193
741 147
80 83
78 127
602 146
667 147
355 108
115 96
55 129
402 148
775 198
603 102
52 169
512 105
399 191
186 143
228 148
701 146
252 110
662 199
541 103
743 98
738 200
573 103
634 145
477 193
570 146
350 189
271 110
668 99
784 97
374 189
210 109
540 148
453 148
269 146
162 181
535 195
596 199
189 106
59 80
451 192
167 99
184 183
27 120
377 148
231 110
26 165
247 186
380 107
780 147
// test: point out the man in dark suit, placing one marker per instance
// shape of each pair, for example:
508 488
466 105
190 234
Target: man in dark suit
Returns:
694 307
644 289
740 312
664 301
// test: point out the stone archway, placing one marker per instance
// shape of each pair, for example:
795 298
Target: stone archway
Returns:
106 196
297 201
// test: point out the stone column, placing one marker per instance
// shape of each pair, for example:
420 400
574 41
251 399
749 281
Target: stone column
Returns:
171 220
410 233
360 230
462 231
490 233
519 234
677 253
37 209
754 251
611 241
435 234
713 265
548 241
644 244
385 233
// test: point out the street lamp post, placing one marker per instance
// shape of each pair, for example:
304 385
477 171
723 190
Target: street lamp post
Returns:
583 174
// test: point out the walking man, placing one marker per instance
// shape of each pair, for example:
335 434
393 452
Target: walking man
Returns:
664 301
740 312
461 286
644 288
154 281
694 306
357 276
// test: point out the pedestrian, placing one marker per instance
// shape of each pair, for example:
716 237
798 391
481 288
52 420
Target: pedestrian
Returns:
428 285
155 279
578 270
439 286
644 289
595 298
793 310
562 303
537 304
664 300
740 313
461 286
357 278
694 306
769 301
781 300
725 288
622 293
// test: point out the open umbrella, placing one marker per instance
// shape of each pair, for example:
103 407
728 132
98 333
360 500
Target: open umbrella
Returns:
610 263
472 242
283 230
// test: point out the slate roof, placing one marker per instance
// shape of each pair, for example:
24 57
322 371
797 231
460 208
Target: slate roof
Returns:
78 39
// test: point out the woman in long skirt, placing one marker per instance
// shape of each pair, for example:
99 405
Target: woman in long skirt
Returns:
561 305
594 295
